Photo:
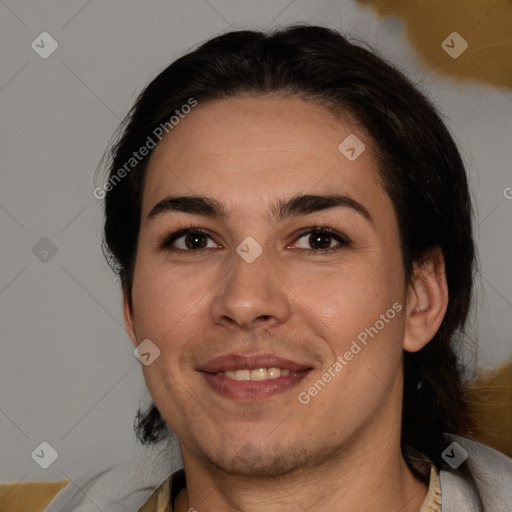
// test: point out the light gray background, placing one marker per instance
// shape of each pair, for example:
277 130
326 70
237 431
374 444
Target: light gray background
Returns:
68 374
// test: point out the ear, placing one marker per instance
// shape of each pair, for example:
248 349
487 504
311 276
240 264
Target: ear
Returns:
129 320
427 301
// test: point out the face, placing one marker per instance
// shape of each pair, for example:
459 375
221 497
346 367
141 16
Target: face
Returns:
314 318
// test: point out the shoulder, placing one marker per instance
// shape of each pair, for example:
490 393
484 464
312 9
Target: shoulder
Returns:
128 483
480 479
162 500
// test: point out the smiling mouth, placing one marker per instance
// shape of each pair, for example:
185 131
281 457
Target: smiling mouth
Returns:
253 385
251 377
258 374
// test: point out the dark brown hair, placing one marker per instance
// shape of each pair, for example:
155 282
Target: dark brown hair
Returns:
420 168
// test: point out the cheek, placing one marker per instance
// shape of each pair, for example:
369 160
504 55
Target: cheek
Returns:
170 395
163 297
348 300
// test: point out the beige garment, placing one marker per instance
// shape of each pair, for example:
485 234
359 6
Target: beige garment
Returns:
432 501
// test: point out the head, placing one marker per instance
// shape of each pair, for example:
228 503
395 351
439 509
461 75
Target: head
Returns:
252 121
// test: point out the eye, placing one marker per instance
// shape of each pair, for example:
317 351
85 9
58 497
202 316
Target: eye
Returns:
194 238
320 238
188 239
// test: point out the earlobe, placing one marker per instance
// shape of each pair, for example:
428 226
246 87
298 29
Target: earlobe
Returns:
129 322
427 301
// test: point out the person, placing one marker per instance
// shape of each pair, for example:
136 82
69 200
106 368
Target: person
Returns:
291 223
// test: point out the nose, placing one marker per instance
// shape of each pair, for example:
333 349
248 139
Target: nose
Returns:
251 295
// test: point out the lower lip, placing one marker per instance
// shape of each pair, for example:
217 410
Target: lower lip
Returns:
250 390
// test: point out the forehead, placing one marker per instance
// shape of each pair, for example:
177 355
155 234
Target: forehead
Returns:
263 147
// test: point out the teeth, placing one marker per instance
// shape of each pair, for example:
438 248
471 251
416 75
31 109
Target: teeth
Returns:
242 375
258 374
274 373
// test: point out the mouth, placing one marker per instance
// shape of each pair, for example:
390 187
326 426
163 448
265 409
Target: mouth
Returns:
252 378
259 374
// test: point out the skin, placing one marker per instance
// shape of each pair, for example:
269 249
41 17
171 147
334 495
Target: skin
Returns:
341 451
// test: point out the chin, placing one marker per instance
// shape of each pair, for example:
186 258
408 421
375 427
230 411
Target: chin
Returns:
266 462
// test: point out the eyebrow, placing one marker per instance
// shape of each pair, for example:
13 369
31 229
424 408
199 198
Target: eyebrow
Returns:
300 204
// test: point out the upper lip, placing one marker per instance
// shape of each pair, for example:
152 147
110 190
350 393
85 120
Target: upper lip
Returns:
250 362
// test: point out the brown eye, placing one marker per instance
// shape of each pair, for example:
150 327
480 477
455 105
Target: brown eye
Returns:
195 241
187 240
320 240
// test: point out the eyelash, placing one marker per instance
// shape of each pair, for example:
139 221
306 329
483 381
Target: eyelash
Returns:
196 230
